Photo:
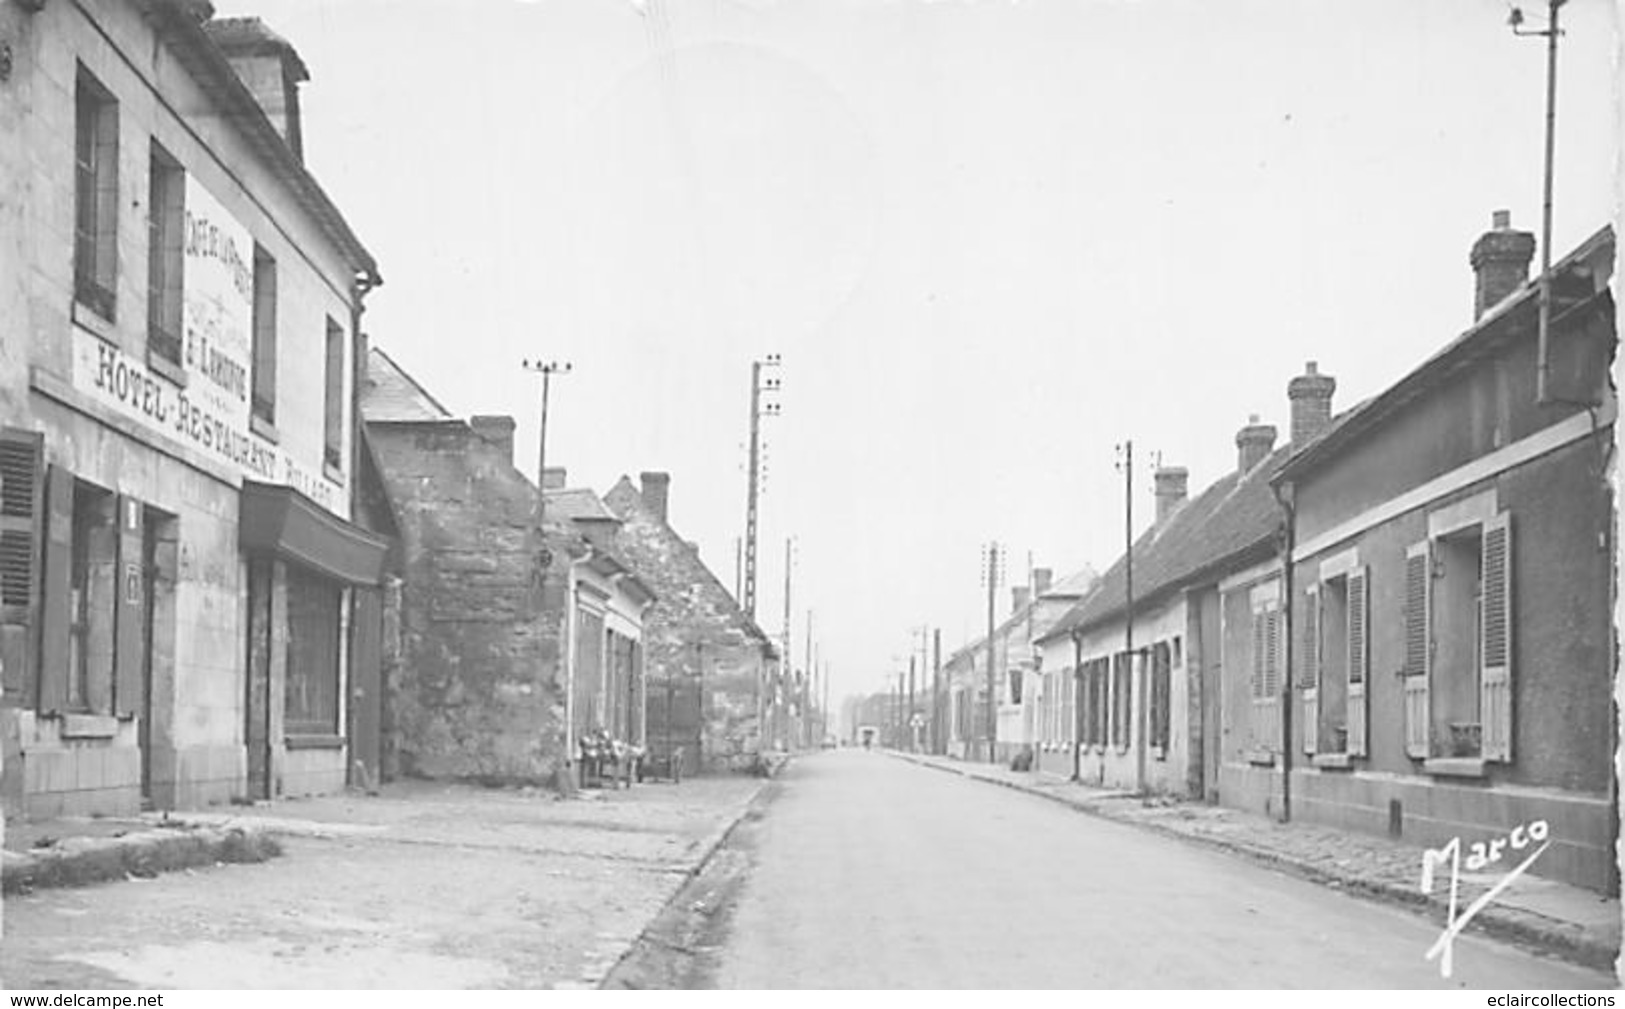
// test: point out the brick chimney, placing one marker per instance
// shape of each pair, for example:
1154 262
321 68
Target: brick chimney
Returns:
1500 261
656 491
497 430
1020 596
1171 482
555 478
1311 398
1254 443
1042 578
270 67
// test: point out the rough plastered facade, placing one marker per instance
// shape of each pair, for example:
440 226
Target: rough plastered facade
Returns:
706 661
180 577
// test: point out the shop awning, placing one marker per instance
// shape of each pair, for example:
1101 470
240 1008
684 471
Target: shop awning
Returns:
278 520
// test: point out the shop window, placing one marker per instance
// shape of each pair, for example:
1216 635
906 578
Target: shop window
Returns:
333 402
589 714
95 248
166 213
264 337
312 681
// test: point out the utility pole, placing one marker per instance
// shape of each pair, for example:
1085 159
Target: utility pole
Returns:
911 702
758 410
1543 346
547 369
806 671
992 655
789 565
937 713
1135 670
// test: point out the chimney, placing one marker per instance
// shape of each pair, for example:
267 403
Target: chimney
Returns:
1311 398
1500 260
1042 577
1254 443
656 490
555 478
269 67
1020 596
1171 483
497 430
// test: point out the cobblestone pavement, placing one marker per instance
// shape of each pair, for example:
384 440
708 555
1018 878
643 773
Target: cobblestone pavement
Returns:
1568 920
426 886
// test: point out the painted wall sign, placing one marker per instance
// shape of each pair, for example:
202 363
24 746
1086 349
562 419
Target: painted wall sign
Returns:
211 411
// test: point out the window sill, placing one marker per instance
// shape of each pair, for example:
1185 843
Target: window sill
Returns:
1454 767
264 428
1333 761
88 318
313 741
89 726
167 368
1261 758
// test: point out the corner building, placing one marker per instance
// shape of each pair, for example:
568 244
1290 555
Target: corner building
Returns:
182 588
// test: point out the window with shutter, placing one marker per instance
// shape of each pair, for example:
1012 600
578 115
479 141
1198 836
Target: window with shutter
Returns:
1418 648
1495 682
56 592
22 524
1358 659
1310 664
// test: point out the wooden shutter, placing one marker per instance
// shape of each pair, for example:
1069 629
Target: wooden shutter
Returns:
1359 659
55 591
1311 670
22 521
130 612
1495 625
1418 647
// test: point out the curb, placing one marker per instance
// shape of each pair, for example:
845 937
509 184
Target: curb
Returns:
1511 925
80 861
708 849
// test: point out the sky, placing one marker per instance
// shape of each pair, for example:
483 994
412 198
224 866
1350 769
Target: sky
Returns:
991 242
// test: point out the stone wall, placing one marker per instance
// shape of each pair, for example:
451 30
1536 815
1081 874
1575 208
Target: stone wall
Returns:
478 693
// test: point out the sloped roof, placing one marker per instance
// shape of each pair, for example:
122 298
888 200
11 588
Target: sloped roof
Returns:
1235 518
1077 585
391 395
626 502
1579 279
579 504
177 23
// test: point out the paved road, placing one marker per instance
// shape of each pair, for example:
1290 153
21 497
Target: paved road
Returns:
870 872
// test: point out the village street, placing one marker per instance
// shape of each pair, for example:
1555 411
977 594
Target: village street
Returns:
429 886
872 872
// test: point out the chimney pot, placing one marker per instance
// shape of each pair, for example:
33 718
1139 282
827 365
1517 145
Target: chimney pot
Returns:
1171 484
1254 443
1500 260
1311 400
1042 579
1020 596
496 429
656 492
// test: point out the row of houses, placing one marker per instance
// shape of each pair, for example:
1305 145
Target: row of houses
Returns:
243 555
1397 622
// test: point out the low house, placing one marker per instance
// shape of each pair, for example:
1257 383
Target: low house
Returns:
709 664
1147 666
609 691
1452 581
